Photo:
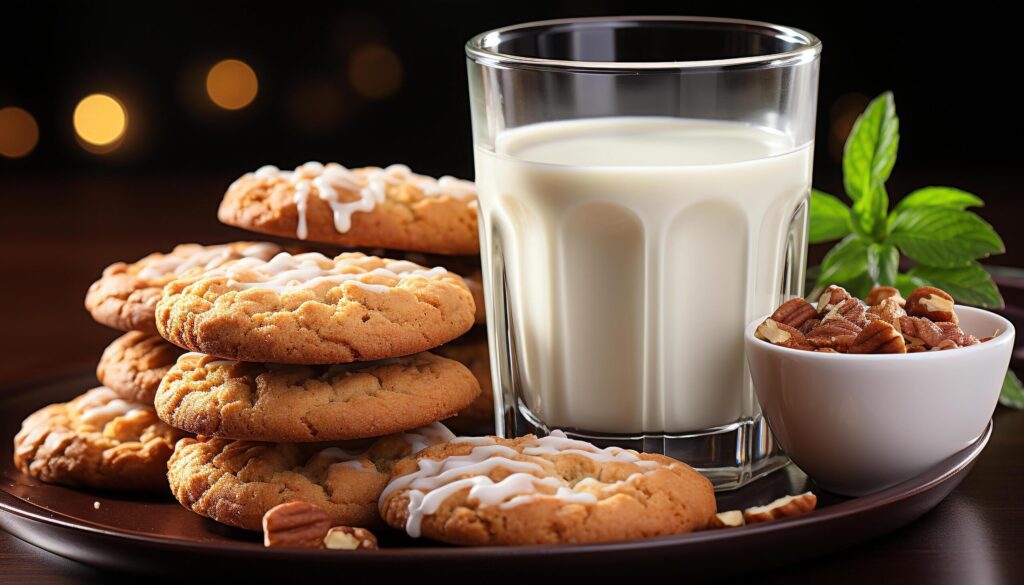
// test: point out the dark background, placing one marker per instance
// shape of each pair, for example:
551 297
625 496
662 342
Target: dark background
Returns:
68 212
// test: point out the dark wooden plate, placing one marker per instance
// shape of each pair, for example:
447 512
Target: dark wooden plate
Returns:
155 535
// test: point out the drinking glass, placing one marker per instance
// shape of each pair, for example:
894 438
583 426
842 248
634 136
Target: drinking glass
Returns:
643 186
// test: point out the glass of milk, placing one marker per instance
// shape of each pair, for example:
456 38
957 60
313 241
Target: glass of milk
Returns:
643 187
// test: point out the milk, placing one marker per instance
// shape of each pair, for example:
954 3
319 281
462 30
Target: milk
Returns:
634 251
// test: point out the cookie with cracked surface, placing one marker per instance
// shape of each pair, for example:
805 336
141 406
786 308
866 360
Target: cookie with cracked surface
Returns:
270 402
493 491
97 441
236 482
133 365
311 309
471 351
125 296
358 208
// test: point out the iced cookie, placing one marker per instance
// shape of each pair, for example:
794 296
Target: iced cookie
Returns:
125 296
368 207
243 400
133 365
311 309
493 491
236 482
97 440
471 351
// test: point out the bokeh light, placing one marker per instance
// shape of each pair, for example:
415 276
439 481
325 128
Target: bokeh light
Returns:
375 71
19 132
232 84
100 122
316 106
843 115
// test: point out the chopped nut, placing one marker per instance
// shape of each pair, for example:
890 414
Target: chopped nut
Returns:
932 303
794 312
781 508
780 334
878 337
833 295
880 293
730 519
350 538
887 310
295 525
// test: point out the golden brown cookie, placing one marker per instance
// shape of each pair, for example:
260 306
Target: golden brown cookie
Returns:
475 282
360 208
471 351
125 296
270 402
493 491
311 309
133 365
236 482
97 440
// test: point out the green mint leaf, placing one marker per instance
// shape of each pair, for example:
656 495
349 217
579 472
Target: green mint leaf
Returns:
830 218
1012 394
870 211
883 261
940 197
943 237
870 151
845 261
970 285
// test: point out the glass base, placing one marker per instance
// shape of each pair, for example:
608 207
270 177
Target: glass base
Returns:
731 456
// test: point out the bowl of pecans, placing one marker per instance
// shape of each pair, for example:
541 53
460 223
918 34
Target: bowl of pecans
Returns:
865 394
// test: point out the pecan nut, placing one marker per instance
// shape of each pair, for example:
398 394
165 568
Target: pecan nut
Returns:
794 312
729 519
851 310
921 331
878 337
350 538
888 310
833 295
780 334
880 293
932 303
781 508
295 525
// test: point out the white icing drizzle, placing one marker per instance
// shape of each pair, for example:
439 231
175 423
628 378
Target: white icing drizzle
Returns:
370 184
286 272
209 257
436 480
103 406
344 457
427 436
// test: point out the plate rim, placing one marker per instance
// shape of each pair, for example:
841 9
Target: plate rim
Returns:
926 481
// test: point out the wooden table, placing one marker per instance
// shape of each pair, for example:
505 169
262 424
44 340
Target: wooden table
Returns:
58 234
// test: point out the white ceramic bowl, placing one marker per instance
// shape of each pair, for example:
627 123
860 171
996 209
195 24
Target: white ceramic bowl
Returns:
861 423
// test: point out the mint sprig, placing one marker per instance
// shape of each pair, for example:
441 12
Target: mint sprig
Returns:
932 227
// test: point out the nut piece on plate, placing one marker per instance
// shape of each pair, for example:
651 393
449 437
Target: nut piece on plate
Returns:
931 303
729 519
878 337
350 538
880 293
794 312
780 334
295 525
785 507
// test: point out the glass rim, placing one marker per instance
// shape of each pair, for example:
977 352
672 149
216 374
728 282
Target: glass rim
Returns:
481 47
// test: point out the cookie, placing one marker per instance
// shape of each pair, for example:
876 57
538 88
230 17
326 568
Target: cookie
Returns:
125 296
236 482
270 402
493 491
98 441
466 266
359 208
311 309
471 351
133 365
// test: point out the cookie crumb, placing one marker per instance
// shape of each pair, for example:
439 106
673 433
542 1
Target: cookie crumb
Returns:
96 505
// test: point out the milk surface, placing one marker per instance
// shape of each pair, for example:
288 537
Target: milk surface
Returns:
635 250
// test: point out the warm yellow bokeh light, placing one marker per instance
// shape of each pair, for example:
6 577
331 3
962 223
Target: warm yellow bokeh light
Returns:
375 71
231 84
19 132
100 120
